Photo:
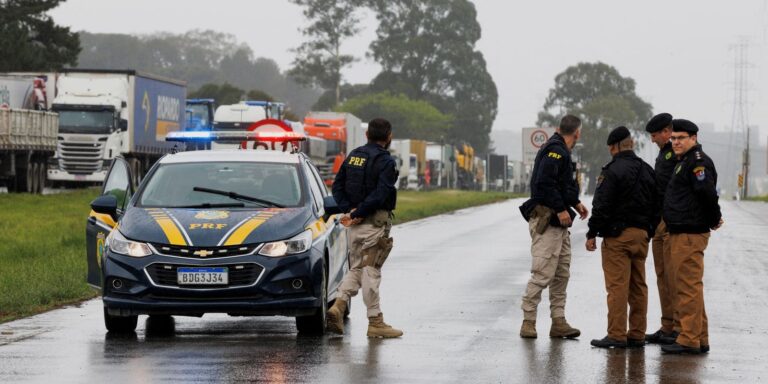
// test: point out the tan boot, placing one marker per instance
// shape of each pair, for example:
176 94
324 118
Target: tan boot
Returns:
528 330
561 328
378 328
335 316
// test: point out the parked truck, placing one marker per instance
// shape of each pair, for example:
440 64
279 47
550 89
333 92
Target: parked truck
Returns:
27 132
240 116
343 132
411 156
106 113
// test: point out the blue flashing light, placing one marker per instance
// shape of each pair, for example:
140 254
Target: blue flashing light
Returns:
189 136
200 101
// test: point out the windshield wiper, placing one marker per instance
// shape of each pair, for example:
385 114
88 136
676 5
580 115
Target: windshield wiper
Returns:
237 196
209 205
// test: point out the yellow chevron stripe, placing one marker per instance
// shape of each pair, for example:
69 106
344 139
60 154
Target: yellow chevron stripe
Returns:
171 231
242 233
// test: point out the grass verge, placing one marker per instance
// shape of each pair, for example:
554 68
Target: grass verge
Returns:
42 243
42 252
416 205
759 198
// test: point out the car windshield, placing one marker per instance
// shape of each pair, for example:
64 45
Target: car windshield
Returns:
172 185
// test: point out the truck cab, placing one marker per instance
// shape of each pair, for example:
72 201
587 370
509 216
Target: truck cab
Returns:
238 117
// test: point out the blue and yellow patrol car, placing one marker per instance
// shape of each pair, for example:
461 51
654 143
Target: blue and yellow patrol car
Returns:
242 232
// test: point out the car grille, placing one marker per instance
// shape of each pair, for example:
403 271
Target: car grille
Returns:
205 252
240 274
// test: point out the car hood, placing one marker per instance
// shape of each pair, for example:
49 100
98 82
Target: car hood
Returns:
212 227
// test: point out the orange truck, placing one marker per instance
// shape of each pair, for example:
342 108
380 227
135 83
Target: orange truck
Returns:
342 131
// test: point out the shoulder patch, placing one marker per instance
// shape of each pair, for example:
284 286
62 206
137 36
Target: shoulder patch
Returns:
555 155
668 155
699 172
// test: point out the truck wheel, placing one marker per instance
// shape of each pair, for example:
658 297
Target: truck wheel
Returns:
120 324
43 176
315 324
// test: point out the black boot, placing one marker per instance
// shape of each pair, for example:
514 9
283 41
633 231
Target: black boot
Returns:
659 336
669 338
635 343
704 348
607 342
679 349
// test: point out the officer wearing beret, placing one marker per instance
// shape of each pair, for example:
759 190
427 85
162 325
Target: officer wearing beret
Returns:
625 212
660 128
691 210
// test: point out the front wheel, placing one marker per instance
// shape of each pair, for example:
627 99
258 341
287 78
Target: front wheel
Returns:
120 324
315 324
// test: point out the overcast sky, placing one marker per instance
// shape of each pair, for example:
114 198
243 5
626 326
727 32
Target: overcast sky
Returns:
677 51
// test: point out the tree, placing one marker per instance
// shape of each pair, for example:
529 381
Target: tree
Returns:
427 51
31 41
411 119
319 60
604 100
198 57
223 94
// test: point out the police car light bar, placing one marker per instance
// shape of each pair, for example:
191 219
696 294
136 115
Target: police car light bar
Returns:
236 137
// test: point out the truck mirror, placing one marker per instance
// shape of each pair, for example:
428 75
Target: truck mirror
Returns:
106 204
123 124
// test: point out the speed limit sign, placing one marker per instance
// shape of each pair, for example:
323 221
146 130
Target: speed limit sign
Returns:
533 139
538 138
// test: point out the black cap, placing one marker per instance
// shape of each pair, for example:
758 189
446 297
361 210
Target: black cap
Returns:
618 134
682 125
658 122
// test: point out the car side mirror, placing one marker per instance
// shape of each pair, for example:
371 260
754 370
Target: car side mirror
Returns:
106 204
330 206
123 125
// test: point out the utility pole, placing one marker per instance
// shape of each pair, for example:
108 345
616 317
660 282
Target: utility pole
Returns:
740 114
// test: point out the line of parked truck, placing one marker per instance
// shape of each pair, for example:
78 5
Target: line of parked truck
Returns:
64 128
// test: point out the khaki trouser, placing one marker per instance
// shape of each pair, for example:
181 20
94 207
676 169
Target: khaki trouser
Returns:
665 279
688 262
363 240
624 269
550 267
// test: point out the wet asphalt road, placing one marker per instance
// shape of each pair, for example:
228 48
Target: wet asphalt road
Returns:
453 284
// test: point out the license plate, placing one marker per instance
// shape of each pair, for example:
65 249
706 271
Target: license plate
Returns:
202 276
79 177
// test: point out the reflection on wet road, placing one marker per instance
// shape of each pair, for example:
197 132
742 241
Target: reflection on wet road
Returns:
453 284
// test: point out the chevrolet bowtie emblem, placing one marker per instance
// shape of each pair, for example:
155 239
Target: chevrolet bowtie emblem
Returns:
202 253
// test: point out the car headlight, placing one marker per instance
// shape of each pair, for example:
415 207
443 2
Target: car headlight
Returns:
117 243
297 244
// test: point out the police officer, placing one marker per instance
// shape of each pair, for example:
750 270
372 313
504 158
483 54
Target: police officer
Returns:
691 210
660 128
625 212
365 187
553 192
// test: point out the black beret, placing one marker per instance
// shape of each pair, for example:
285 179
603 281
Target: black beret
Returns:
618 134
658 122
683 125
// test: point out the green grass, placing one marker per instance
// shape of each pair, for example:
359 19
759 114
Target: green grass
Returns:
759 198
416 205
42 243
42 252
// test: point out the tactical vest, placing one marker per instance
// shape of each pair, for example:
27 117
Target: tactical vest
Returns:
361 177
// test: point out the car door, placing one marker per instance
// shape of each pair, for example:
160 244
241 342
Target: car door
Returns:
117 183
337 236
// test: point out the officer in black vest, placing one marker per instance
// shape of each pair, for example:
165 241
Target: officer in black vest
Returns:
625 212
365 187
550 212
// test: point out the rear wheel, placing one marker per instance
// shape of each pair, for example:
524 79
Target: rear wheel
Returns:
120 324
315 324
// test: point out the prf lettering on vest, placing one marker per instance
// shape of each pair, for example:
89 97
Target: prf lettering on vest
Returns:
555 155
357 161
207 226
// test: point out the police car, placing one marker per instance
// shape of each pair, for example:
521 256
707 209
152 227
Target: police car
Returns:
242 232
